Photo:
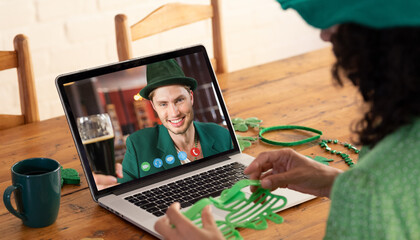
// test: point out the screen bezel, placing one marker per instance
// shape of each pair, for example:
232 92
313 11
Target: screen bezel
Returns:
119 66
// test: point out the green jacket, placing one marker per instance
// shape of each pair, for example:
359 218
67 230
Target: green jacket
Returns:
148 144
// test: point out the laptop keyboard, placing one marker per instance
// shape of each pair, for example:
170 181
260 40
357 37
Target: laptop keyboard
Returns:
189 190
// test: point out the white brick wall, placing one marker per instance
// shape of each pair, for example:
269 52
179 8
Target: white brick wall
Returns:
53 10
10 10
71 35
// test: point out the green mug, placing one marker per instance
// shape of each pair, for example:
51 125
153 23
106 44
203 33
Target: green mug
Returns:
37 187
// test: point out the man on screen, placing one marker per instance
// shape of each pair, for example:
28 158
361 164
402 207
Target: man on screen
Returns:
179 139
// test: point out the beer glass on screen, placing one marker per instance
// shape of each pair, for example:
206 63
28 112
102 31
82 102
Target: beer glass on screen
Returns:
98 139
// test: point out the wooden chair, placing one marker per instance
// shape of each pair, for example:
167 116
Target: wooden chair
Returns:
168 17
20 59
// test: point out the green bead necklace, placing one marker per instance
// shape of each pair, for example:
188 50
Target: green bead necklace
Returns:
344 156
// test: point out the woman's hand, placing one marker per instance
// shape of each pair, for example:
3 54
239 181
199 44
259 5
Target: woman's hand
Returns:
106 181
175 225
288 169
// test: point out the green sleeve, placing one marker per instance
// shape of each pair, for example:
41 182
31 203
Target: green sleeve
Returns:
129 164
367 207
354 211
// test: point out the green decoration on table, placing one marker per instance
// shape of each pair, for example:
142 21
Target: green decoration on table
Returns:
242 125
344 156
69 176
322 160
289 127
245 142
252 212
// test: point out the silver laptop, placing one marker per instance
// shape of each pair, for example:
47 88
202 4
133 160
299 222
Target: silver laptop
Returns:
116 131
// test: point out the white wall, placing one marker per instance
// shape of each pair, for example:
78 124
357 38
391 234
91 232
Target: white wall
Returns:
68 35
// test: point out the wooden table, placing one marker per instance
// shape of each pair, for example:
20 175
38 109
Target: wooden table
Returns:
298 90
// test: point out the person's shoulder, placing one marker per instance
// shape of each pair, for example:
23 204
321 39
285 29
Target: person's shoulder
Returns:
391 163
398 149
145 133
213 129
219 134
210 126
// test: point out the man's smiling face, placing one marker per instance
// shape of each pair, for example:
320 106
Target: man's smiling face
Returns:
174 106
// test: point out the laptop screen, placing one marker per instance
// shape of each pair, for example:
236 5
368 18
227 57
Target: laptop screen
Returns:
143 117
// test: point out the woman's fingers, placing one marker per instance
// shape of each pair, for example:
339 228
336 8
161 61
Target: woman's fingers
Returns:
163 227
207 218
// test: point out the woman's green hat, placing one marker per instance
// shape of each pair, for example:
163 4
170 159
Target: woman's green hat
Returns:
165 73
371 13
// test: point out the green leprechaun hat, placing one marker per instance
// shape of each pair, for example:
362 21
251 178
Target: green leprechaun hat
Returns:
165 73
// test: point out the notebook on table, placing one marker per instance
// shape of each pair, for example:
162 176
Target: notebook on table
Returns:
113 127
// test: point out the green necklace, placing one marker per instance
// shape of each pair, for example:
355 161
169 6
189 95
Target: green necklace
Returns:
345 157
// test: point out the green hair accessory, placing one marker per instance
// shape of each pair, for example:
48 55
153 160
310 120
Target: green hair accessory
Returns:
289 127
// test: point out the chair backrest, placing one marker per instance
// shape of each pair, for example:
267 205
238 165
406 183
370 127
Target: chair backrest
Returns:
20 59
171 16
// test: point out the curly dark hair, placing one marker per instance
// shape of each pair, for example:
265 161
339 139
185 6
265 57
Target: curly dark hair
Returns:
385 65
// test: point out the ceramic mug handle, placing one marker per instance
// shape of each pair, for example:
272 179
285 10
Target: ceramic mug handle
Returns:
6 199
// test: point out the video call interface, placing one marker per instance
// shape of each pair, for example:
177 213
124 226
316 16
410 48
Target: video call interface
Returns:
120 129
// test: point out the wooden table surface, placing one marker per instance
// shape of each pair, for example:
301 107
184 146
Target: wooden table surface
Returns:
298 91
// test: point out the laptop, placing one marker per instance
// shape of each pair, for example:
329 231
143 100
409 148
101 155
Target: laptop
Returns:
115 128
